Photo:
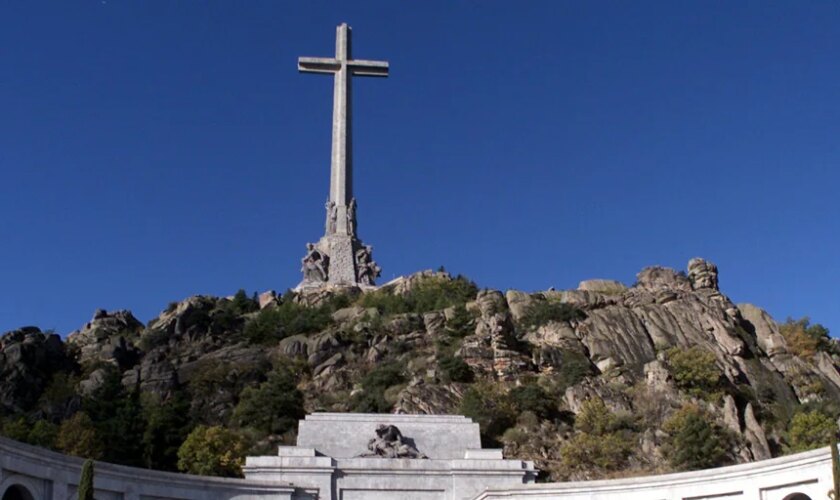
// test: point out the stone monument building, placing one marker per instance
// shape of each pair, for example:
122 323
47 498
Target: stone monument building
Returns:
340 258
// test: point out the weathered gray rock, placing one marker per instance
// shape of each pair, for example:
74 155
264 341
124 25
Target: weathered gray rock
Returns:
428 399
730 414
766 331
355 313
755 435
658 278
614 337
608 287
702 274
518 302
582 299
109 338
268 298
435 323
28 360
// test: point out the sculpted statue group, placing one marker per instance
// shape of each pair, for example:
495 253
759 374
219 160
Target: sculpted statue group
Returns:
367 269
315 264
390 443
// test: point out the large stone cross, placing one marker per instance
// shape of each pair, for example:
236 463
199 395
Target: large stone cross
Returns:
340 258
344 67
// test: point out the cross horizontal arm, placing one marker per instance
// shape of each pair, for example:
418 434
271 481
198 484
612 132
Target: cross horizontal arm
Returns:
362 67
318 65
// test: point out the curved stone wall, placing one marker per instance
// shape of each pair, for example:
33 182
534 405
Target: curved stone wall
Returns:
796 477
32 473
46 475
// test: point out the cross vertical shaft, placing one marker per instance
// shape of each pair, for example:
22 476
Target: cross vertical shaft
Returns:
341 165
343 67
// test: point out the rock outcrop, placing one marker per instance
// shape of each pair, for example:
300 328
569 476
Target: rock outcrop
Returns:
384 352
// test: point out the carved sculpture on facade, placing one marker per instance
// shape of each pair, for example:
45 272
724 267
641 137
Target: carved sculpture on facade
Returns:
366 268
314 265
390 443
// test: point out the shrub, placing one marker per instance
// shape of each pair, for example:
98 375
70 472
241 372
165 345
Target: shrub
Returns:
43 434
289 318
57 400
17 429
804 339
542 312
603 440
532 398
431 293
695 441
151 338
596 418
491 409
374 384
242 304
213 451
78 436
272 408
694 370
455 369
809 430
461 323
569 367
583 452
385 301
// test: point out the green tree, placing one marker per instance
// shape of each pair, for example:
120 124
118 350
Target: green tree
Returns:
213 451
59 397
242 304
273 324
86 481
542 312
274 407
695 441
533 398
603 440
431 293
695 370
17 429
167 425
372 397
43 433
461 323
118 417
78 436
809 430
491 409
455 369
805 339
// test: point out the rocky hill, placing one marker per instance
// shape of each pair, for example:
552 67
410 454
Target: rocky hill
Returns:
600 381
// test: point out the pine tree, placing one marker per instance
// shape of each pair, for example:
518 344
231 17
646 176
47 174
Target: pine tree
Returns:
86 481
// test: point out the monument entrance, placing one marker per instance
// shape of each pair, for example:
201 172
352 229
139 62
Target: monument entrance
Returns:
340 258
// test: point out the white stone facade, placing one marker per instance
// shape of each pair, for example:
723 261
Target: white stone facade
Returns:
330 445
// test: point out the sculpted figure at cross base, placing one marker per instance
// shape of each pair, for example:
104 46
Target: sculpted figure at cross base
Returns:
332 213
351 217
390 443
314 264
367 269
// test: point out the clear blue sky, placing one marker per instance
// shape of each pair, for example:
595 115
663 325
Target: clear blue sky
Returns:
154 150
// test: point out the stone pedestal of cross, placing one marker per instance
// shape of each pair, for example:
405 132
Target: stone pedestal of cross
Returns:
340 258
